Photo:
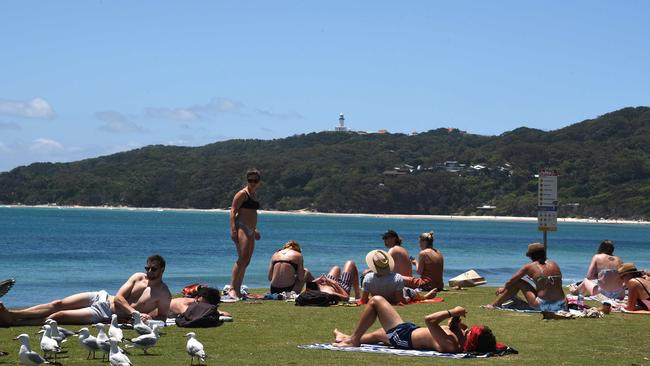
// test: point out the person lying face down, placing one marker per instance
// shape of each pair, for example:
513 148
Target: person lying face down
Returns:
638 288
455 337
544 290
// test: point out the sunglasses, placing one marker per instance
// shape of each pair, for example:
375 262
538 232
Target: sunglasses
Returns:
253 181
150 268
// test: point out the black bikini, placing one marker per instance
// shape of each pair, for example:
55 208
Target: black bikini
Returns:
250 203
278 290
640 303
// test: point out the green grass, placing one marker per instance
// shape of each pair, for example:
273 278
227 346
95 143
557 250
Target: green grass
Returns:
268 332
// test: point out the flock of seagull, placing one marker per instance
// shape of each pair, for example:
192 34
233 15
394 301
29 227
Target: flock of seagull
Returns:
107 342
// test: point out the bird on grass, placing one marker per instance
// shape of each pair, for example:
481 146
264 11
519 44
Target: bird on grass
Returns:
88 342
26 355
146 341
115 331
194 348
116 357
138 325
49 345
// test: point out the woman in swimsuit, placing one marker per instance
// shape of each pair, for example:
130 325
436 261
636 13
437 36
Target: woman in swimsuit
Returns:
602 276
286 271
545 292
243 229
638 289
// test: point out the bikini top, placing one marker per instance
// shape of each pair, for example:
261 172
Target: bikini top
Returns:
547 279
295 266
250 203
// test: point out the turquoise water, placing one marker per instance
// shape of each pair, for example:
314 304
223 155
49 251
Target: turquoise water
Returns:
56 252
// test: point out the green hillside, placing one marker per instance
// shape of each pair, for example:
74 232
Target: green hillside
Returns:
604 165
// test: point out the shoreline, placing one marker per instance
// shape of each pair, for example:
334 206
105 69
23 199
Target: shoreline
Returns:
382 216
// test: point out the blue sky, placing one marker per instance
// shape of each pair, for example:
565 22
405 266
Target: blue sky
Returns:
81 79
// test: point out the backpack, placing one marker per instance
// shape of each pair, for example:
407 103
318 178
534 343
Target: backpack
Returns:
199 315
316 298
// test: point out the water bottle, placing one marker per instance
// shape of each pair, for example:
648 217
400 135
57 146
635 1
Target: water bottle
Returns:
581 301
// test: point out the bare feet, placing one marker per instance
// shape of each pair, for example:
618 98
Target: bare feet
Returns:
340 337
232 293
488 306
5 316
347 343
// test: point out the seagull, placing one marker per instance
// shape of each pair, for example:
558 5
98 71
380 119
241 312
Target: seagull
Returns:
116 357
114 331
49 345
26 355
102 340
88 342
195 348
57 335
138 325
147 341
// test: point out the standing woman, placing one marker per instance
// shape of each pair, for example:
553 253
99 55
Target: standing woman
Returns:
243 229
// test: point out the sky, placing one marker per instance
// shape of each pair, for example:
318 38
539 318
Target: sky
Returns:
81 79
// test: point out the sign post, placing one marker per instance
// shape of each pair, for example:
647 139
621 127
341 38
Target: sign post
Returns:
547 202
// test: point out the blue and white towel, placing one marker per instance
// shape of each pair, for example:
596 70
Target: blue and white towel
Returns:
373 348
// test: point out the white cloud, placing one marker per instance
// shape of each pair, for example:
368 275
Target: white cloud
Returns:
6 126
215 106
178 114
116 122
35 108
282 115
46 146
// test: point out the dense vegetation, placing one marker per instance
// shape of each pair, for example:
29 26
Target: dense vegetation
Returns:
604 165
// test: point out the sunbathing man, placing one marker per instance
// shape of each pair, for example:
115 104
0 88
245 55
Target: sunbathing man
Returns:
429 265
455 337
144 292
393 242
205 294
382 280
336 282
545 292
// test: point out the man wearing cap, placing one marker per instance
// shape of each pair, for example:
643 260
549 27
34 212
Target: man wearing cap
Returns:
400 255
455 337
381 280
638 289
543 287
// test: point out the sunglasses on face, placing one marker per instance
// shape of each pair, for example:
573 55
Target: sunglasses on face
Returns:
253 180
151 268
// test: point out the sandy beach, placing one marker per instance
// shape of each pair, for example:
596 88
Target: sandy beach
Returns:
393 216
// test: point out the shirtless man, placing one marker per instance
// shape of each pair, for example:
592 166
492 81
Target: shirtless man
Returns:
144 292
338 283
455 337
544 291
429 266
205 294
393 242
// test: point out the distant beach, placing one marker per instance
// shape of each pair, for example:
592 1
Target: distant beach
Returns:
387 216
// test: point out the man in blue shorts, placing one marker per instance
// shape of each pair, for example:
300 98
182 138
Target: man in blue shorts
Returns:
455 337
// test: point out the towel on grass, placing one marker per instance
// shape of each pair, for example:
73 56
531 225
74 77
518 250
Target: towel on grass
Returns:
374 348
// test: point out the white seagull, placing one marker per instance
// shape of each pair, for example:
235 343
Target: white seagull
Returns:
56 333
88 342
114 331
138 325
147 341
49 345
116 357
195 348
102 340
26 355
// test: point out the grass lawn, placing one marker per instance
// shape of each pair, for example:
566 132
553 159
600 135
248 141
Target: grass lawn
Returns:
267 332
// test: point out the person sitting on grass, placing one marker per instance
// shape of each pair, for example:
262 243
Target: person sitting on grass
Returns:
429 266
336 282
400 255
381 280
638 289
286 270
209 295
544 291
455 337
602 275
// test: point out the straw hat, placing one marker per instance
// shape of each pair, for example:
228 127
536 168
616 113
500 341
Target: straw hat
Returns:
380 262
535 247
627 268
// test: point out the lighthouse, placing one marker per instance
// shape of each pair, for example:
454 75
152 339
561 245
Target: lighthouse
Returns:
341 127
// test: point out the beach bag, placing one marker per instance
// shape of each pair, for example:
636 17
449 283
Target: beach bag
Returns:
191 290
199 315
316 298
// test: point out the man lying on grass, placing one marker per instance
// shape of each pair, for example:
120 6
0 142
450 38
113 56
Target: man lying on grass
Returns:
455 337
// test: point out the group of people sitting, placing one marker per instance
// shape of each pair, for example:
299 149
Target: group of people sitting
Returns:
388 274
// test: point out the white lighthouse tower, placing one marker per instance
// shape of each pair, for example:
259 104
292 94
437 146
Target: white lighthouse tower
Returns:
341 127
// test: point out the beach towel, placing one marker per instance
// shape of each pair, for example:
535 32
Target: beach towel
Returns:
426 301
374 348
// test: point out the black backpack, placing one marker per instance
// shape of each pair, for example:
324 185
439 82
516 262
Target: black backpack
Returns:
199 315
316 298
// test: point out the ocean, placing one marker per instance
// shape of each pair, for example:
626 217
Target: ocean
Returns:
54 252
